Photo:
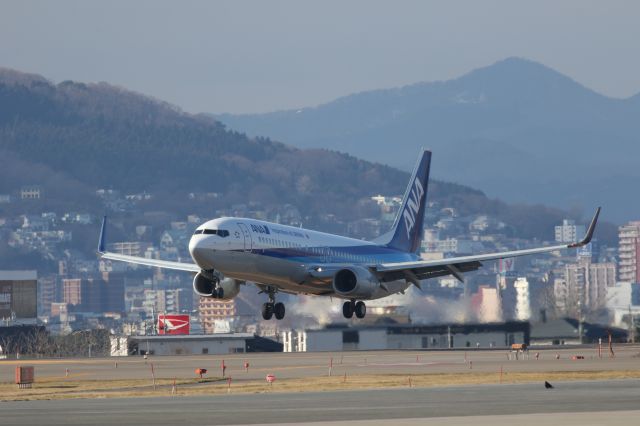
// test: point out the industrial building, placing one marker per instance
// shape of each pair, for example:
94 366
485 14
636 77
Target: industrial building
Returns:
569 331
343 338
208 344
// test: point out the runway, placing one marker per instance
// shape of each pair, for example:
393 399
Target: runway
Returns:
610 402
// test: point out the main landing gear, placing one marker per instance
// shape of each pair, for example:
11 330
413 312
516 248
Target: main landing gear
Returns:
352 307
272 308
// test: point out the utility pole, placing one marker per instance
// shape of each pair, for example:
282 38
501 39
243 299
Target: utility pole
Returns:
632 326
580 325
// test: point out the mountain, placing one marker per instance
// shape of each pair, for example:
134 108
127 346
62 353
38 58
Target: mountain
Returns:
517 129
101 136
72 138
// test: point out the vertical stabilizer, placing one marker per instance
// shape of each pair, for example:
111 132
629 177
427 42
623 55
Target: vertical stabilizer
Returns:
406 232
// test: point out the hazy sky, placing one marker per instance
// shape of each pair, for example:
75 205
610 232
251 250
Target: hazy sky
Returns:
255 56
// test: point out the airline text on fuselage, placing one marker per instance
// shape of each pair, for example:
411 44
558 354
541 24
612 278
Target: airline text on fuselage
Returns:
412 207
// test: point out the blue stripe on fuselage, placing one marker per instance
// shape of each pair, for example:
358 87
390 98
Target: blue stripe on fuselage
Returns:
369 254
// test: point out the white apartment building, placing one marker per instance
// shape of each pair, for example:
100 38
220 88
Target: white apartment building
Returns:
584 284
569 232
629 252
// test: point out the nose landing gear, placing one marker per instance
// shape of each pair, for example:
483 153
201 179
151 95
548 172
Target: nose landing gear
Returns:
216 279
272 308
352 307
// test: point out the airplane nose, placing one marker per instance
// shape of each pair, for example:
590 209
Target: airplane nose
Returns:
198 251
193 244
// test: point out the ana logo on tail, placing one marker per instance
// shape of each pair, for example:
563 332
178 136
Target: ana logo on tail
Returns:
412 207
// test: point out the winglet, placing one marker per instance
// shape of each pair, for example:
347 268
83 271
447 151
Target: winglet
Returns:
101 242
592 227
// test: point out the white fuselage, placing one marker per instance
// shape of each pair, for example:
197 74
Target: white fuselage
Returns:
281 256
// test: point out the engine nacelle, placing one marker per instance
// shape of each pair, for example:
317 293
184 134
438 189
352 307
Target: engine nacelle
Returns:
355 282
227 289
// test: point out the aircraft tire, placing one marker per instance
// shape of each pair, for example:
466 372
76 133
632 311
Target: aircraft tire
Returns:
279 310
360 309
347 310
267 311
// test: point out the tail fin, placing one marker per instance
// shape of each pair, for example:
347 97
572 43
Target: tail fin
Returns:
407 229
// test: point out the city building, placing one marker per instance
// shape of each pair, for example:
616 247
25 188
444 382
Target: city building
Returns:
569 232
167 300
94 294
487 304
629 252
508 296
30 193
214 310
523 299
584 287
452 246
623 303
129 248
48 293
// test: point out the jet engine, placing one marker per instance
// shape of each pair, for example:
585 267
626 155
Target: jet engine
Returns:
205 286
355 282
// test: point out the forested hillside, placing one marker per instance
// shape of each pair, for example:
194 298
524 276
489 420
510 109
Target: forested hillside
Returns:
73 138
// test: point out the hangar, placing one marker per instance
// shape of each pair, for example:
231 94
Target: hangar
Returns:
344 338
214 344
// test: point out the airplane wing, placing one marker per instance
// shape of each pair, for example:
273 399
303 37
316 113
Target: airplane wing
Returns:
456 266
156 263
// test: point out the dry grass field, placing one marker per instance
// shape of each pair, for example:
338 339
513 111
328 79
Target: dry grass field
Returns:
70 388
306 372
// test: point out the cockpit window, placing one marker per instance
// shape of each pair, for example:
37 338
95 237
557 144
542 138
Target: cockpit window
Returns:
219 232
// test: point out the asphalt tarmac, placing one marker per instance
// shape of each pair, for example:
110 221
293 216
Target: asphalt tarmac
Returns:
584 403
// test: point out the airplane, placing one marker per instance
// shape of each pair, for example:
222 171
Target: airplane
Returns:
230 251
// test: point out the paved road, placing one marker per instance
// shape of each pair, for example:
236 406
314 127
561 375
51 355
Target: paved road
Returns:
611 401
